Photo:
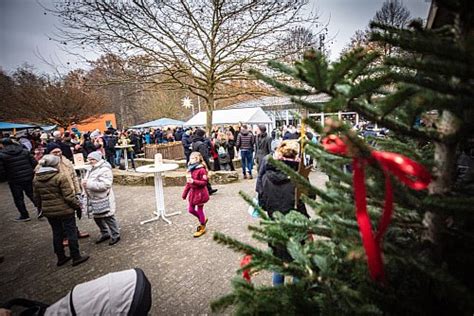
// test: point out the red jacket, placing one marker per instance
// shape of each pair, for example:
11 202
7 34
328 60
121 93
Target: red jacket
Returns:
197 190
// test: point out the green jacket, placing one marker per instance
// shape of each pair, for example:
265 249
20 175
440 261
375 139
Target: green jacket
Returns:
54 193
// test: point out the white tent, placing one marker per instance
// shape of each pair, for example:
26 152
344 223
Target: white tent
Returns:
250 116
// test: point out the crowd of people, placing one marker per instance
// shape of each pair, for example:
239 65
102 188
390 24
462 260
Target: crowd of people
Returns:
41 167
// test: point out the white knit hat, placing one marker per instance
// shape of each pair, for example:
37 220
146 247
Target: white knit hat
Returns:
96 155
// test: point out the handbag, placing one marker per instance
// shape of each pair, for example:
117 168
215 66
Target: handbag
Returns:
252 211
99 206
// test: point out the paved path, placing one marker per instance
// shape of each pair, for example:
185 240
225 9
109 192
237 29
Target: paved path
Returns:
186 273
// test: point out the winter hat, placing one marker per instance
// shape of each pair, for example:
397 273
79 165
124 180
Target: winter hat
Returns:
95 155
51 146
288 149
95 133
6 141
200 132
49 161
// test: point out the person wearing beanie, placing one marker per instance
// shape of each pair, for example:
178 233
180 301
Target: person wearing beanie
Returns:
276 193
263 144
40 149
17 168
66 168
98 186
202 145
59 204
66 149
186 140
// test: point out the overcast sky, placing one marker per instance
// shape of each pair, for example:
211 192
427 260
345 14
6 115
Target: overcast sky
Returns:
25 29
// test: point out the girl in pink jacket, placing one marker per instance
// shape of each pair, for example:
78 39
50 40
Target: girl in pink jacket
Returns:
196 190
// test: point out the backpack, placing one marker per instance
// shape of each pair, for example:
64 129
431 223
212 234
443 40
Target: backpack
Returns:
110 143
222 152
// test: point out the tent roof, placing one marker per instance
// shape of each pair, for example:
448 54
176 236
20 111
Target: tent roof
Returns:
8 126
279 103
159 123
232 116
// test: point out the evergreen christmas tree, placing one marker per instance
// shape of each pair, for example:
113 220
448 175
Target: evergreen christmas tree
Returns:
428 248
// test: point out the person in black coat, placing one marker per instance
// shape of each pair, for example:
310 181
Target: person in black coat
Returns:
17 167
187 142
65 148
276 192
263 144
200 144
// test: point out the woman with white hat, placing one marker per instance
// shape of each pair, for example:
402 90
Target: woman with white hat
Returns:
101 198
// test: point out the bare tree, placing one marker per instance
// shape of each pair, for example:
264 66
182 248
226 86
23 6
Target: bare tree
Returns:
298 40
211 42
8 102
61 102
392 13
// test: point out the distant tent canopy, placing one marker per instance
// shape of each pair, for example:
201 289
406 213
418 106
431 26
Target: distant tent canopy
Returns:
160 123
12 126
233 116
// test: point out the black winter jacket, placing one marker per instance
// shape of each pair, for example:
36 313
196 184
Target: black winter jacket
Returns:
263 146
186 141
199 144
16 164
65 149
277 194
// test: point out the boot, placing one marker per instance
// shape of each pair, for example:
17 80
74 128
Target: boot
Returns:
62 260
201 230
79 260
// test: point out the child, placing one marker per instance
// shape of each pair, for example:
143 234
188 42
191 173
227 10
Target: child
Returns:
197 190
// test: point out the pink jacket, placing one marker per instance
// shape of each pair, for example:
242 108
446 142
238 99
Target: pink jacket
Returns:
197 191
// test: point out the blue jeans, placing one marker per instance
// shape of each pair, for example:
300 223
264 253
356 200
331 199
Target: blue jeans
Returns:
279 279
247 161
118 154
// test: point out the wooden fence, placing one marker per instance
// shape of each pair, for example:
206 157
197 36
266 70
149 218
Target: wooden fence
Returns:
173 151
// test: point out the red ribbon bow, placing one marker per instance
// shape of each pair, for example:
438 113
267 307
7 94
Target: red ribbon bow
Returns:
245 261
406 170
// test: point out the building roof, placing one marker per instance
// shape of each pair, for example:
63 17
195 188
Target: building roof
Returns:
278 103
253 115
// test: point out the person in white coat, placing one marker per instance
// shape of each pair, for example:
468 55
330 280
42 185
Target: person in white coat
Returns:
98 186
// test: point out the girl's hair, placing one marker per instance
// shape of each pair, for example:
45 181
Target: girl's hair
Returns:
222 136
288 149
229 135
199 156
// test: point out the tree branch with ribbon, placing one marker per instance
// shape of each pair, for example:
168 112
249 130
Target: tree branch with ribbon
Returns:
409 172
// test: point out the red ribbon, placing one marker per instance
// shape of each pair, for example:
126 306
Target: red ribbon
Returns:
246 273
406 170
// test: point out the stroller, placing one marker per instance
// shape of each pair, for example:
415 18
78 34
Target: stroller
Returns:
125 292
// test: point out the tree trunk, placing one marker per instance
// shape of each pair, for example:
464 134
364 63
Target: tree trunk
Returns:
443 175
210 109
